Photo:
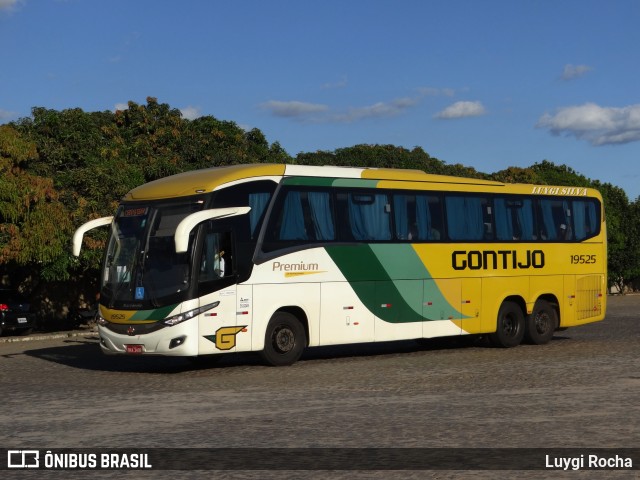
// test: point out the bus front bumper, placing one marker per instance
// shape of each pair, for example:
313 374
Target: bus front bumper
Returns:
179 340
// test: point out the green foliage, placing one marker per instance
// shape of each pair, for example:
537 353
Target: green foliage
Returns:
34 225
549 173
375 156
622 259
86 162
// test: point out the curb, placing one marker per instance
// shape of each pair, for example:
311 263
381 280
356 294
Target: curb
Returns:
49 336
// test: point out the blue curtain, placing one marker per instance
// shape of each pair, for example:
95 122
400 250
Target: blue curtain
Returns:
369 220
584 218
592 216
321 215
423 218
580 219
525 219
400 203
464 218
292 227
258 203
504 222
567 220
547 220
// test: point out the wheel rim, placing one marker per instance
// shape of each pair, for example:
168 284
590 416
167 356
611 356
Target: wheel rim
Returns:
283 339
542 322
510 326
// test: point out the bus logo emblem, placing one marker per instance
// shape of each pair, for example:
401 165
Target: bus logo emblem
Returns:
225 337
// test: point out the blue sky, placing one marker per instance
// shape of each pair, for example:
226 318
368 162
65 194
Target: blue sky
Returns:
485 83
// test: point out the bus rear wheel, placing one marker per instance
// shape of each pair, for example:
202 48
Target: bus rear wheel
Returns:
541 324
510 326
284 341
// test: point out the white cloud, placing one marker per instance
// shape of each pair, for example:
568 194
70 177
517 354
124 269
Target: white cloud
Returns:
121 106
574 71
342 83
9 4
294 109
436 92
595 124
190 113
318 113
462 110
6 115
377 110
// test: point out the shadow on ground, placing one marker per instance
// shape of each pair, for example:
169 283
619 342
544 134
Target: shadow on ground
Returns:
85 354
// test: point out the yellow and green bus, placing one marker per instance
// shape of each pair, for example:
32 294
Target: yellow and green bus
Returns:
278 258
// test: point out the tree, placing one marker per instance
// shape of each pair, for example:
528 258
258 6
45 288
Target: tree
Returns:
517 175
34 225
621 260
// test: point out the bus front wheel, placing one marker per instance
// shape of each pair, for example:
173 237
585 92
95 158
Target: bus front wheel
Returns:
284 341
510 326
541 323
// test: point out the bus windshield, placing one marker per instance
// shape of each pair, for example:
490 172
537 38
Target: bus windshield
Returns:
141 266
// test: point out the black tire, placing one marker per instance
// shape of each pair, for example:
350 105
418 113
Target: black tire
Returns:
284 340
541 324
26 331
510 326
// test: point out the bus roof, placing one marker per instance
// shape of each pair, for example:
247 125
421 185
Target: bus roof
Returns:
207 180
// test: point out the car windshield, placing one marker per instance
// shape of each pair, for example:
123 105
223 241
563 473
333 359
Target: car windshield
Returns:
142 268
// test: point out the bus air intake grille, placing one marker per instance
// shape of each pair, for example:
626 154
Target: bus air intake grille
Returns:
138 328
590 296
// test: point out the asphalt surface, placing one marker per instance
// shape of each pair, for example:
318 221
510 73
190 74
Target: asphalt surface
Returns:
579 391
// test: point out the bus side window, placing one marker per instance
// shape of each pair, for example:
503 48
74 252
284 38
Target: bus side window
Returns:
300 217
468 217
556 219
514 219
216 261
417 217
585 219
369 216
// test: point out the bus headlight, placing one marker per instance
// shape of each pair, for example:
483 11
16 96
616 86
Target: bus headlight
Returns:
100 320
181 317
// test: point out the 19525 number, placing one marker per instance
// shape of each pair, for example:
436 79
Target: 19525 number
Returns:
582 259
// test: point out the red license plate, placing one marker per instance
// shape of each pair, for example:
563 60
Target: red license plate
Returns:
135 349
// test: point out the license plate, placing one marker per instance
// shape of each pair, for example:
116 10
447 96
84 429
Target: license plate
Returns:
135 349
22 320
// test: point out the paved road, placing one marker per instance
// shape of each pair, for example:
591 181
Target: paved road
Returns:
581 390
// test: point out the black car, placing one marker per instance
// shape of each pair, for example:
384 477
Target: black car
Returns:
15 313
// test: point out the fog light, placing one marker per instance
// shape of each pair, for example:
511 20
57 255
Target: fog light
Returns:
176 342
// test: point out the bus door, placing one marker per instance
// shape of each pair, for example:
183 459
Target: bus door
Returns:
221 327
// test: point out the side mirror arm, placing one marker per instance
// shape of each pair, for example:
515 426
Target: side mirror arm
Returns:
188 223
90 225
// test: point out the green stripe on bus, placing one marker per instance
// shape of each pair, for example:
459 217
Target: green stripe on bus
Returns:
355 183
330 182
401 280
308 181
156 314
